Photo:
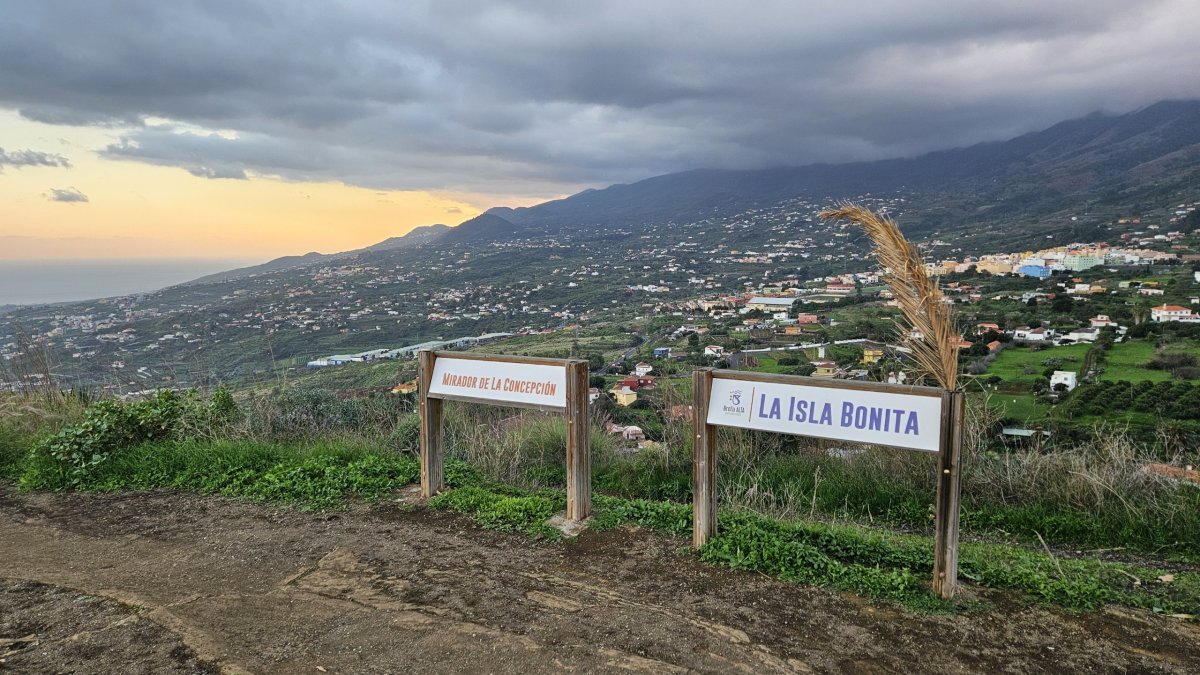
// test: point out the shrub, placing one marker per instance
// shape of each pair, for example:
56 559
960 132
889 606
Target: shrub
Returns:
110 426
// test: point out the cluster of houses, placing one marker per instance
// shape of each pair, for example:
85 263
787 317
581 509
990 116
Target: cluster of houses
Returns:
625 391
1072 258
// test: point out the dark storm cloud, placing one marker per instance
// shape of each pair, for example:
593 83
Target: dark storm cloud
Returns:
542 97
32 158
69 195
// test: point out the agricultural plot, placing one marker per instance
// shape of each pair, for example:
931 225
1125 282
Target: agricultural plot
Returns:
1127 361
1019 367
1019 406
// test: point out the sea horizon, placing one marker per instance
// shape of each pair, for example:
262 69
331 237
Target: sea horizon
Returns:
36 282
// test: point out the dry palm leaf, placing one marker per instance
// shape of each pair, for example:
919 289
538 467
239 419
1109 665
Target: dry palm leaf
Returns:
931 334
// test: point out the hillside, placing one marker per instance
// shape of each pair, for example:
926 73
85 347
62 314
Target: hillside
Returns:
1094 162
1098 158
414 238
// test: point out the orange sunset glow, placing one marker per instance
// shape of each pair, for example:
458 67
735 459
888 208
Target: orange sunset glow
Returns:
138 210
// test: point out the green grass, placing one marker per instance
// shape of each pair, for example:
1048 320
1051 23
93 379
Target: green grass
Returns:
378 374
13 447
1011 364
869 562
874 563
866 490
1127 360
1020 406
317 476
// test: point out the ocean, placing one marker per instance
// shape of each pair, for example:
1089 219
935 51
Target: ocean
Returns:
26 282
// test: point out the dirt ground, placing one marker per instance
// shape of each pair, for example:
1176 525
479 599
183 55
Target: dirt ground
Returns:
164 582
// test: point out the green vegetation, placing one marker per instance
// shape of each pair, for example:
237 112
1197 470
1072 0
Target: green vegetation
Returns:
790 511
1171 400
1127 361
313 476
1019 367
872 563
1020 406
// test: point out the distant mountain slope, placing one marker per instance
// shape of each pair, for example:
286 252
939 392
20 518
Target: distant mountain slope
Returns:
419 235
1126 159
1098 154
286 262
415 237
482 228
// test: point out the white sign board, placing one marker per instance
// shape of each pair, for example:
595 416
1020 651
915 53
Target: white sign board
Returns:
882 418
499 381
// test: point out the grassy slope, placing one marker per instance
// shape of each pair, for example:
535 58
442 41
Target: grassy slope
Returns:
868 561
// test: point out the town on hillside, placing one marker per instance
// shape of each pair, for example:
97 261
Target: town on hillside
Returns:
1035 325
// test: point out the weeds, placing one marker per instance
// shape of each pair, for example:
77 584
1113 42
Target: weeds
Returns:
872 563
314 453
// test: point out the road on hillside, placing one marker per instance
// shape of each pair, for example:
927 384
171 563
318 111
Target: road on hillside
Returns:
169 582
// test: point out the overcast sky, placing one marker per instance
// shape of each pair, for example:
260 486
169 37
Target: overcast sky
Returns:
494 101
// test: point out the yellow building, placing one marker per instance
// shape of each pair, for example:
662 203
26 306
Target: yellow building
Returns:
825 369
993 267
624 396
872 354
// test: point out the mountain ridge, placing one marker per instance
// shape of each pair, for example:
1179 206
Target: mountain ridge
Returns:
1093 158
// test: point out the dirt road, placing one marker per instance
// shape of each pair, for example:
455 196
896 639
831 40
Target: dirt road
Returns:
168 582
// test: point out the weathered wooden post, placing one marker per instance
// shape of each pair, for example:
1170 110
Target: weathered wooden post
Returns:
579 457
945 561
704 460
432 463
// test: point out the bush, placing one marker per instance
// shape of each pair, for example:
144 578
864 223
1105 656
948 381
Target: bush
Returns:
110 427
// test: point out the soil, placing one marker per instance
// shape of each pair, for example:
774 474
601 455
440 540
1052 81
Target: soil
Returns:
170 582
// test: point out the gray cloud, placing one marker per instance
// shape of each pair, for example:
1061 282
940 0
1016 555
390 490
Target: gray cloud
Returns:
209 172
69 195
21 158
540 98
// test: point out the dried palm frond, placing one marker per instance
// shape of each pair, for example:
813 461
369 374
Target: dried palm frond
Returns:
931 334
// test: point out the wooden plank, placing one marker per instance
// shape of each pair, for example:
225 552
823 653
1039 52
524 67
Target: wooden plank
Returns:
946 512
704 461
851 385
503 404
432 462
502 358
579 458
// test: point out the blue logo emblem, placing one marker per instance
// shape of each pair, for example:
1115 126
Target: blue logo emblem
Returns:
735 397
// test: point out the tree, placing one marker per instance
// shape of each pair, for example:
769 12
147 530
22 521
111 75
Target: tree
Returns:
595 361
1062 303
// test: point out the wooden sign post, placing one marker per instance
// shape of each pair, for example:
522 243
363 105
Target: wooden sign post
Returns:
554 385
914 418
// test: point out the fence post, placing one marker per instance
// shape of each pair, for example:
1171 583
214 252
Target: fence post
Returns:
432 462
704 461
579 458
945 560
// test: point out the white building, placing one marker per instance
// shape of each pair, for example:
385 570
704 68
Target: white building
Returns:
1033 334
1064 377
642 369
767 304
1166 312
714 350
1084 334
